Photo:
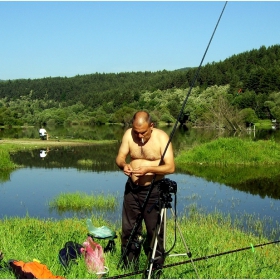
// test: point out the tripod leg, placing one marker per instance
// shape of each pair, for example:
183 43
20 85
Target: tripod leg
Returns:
189 254
181 235
154 244
164 231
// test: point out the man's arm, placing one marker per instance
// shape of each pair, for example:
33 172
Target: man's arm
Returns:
122 154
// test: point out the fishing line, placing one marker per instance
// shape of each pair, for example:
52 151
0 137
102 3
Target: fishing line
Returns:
140 216
192 85
199 259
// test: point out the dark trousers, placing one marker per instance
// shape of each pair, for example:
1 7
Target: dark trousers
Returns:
134 197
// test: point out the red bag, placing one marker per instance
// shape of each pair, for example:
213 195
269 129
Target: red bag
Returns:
32 270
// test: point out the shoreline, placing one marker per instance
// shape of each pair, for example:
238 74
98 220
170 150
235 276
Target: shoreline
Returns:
59 143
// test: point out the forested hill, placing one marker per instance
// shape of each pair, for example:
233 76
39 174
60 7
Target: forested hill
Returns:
255 70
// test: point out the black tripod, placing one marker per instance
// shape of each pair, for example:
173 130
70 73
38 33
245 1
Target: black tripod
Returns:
166 189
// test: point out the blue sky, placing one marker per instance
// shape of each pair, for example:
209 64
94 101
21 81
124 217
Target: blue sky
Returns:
51 39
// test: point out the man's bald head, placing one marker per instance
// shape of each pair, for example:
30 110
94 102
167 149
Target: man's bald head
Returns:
141 117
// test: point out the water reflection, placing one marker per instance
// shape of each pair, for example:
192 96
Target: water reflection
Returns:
43 153
255 180
100 157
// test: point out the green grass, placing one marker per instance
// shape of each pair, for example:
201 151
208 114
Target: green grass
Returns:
5 161
264 124
232 151
85 162
232 160
82 201
28 238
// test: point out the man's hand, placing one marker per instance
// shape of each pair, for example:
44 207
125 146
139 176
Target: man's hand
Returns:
140 171
127 170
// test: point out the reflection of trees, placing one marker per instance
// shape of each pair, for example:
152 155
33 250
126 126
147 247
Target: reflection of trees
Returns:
262 187
256 180
262 181
101 156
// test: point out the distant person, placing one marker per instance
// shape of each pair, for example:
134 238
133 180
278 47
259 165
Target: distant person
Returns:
43 134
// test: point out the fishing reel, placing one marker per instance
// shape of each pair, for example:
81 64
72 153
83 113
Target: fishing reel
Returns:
167 186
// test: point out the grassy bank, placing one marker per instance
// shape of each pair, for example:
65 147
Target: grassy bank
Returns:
263 124
232 151
232 161
29 238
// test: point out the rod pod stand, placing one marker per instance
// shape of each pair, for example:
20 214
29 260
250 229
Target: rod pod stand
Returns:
166 204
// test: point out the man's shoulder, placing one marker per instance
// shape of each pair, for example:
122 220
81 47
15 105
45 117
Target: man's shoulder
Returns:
127 134
128 131
160 131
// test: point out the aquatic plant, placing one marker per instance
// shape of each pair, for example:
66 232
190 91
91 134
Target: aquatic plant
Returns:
82 201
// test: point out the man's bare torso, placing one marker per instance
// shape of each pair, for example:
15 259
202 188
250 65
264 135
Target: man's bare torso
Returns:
147 154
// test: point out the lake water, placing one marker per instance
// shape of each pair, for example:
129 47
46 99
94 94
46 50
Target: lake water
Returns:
28 190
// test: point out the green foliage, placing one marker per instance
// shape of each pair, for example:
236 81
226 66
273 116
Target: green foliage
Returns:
249 80
273 105
123 115
248 115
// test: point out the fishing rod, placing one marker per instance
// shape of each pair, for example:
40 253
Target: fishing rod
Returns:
192 83
252 247
140 216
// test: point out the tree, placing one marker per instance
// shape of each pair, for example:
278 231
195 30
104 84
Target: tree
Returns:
220 114
124 115
248 115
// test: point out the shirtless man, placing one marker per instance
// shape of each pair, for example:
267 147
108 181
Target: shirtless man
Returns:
145 146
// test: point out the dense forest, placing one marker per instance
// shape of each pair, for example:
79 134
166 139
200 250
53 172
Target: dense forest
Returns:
227 94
